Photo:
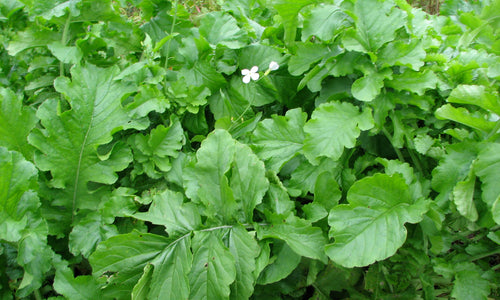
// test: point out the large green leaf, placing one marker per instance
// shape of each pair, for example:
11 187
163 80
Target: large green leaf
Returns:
213 267
376 23
16 122
279 139
462 115
69 139
333 127
371 227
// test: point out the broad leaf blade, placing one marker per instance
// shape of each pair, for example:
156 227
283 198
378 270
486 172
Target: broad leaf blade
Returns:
16 122
279 139
371 226
213 267
333 127
69 139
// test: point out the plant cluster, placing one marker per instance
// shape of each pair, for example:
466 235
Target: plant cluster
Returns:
271 149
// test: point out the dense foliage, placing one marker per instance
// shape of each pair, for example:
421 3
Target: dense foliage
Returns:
136 160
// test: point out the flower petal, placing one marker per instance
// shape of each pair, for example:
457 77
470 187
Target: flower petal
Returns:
255 76
273 66
254 69
246 78
245 72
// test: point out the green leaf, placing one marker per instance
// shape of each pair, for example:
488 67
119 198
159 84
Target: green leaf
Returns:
207 181
68 140
333 127
371 227
463 116
368 87
258 55
213 267
325 22
486 167
16 122
156 150
31 38
302 238
167 209
279 139
376 24
87 233
244 249
463 197
475 95
170 276
453 168
66 54
305 176
307 54
327 191
222 29
78 288
423 143
401 53
284 261
18 178
248 181
122 259
289 13
227 178
413 81
141 289
469 284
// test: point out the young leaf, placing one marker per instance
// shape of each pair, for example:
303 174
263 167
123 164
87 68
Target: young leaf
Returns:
285 260
279 139
333 127
371 227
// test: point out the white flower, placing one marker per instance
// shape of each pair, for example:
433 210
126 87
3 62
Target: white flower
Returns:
250 74
273 66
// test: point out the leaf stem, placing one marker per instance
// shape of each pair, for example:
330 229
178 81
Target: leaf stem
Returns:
172 27
398 152
37 294
494 131
64 41
483 255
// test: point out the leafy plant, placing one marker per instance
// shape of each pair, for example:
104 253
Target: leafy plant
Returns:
249 150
